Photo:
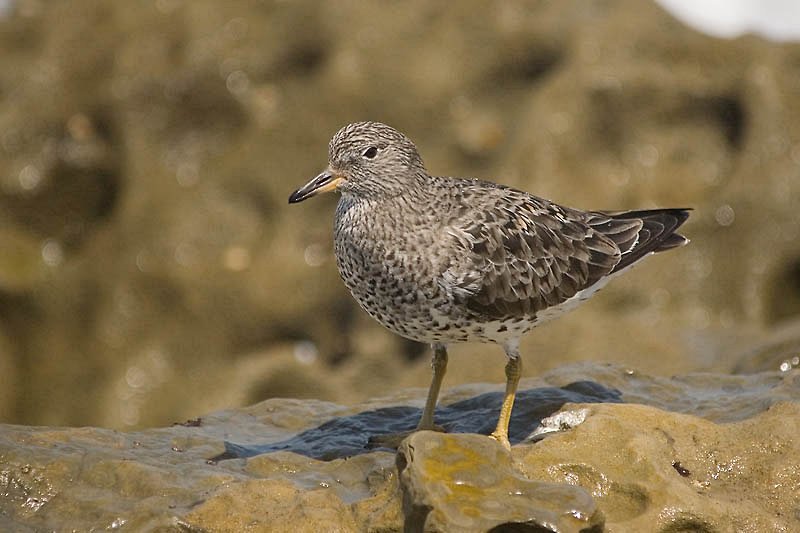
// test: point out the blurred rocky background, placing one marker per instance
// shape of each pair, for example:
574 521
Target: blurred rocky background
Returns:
151 269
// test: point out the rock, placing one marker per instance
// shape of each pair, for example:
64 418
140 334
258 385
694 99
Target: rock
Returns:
147 152
468 483
653 471
272 505
718 453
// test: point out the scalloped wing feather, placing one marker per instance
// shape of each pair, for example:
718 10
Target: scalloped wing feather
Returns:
523 254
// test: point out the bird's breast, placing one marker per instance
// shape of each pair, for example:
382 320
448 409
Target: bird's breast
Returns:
384 258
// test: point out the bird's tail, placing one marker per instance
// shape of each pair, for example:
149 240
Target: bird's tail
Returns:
639 233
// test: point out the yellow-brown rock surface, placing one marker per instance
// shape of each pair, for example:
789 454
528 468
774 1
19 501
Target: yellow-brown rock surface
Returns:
707 462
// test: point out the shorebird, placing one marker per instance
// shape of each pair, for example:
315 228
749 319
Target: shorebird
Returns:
447 260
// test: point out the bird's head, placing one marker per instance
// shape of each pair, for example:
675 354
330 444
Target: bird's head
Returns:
366 159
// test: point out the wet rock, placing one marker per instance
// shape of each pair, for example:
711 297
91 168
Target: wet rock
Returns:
271 505
84 479
719 398
722 458
147 151
469 483
649 470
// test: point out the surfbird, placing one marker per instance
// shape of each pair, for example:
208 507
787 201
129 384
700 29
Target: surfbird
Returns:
447 260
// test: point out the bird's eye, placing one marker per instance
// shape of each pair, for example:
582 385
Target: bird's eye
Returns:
370 152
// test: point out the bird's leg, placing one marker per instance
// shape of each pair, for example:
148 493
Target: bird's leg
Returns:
513 372
439 365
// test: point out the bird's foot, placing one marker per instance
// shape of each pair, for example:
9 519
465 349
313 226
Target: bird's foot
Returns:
502 438
393 440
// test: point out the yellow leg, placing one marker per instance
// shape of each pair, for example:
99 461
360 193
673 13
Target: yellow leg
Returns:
513 372
439 365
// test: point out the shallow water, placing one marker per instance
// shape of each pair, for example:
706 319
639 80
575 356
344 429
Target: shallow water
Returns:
711 396
349 435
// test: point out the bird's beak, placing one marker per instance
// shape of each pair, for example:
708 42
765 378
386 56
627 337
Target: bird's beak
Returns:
326 181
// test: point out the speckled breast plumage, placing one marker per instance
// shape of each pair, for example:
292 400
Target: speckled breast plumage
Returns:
389 259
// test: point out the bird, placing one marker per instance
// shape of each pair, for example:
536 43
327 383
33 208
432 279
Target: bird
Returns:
444 260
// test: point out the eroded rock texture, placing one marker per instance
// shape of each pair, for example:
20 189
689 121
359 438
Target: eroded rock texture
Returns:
683 457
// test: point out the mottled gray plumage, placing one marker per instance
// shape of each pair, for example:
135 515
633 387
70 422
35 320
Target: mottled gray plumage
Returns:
444 260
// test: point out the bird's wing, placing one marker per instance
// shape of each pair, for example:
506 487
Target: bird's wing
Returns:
516 254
